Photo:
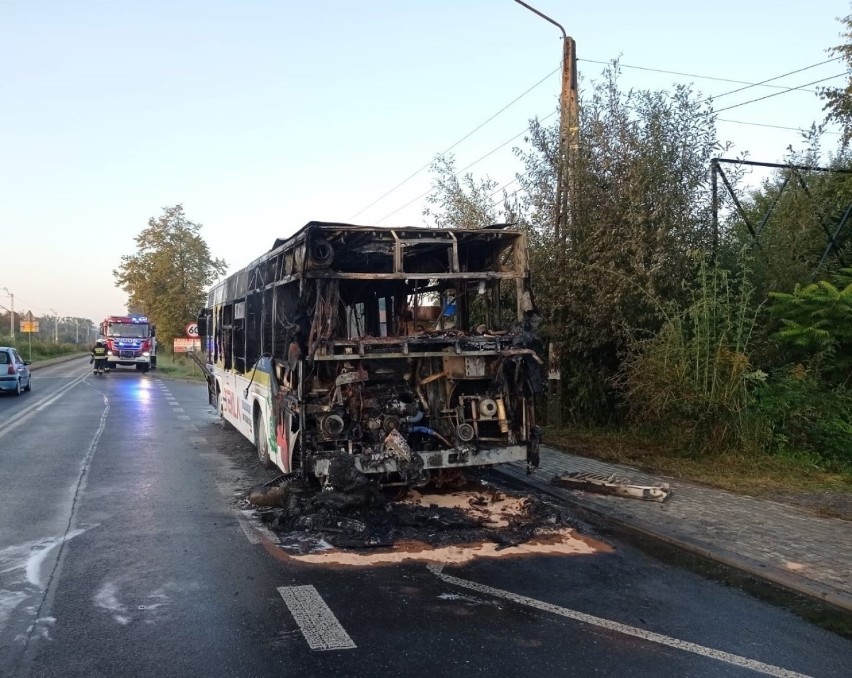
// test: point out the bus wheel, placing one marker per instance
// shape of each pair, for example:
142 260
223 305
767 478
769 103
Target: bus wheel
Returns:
261 441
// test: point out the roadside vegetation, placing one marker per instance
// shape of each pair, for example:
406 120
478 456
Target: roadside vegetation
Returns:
713 349
178 366
37 350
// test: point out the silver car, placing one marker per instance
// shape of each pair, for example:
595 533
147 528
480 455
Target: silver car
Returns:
14 371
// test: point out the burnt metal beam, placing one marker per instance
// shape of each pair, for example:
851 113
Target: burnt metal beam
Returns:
738 205
774 203
803 168
821 218
833 241
346 275
793 170
714 206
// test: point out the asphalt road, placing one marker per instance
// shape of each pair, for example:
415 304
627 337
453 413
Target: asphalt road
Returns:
122 553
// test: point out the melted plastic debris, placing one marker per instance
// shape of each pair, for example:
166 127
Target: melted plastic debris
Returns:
365 526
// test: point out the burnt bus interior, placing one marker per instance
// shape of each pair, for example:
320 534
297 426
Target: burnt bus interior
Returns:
405 349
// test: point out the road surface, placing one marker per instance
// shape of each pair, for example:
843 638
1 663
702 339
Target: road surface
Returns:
123 552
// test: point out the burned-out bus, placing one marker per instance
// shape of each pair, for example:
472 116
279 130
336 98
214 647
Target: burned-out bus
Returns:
393 353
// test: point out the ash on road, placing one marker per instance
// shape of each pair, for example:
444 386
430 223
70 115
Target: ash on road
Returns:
366 525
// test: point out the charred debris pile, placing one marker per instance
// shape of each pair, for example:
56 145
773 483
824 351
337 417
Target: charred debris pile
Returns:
363 515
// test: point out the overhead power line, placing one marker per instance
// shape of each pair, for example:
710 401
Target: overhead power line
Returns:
766 124
464 169
777 77
503 187
704 77
775 94
465 137
746 85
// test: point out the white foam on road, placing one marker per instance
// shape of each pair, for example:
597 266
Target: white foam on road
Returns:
38 555
9 601
20 573
317 622
107 598
618 627
29 557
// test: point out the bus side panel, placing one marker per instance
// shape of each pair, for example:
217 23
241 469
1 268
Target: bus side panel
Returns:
236 409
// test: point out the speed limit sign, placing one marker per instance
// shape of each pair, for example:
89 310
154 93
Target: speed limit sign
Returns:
192 330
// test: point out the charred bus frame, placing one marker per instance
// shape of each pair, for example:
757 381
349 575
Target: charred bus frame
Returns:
390 352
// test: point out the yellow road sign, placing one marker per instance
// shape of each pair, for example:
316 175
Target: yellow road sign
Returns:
29 326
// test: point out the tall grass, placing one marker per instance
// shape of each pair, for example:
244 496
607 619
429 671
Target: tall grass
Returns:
688 382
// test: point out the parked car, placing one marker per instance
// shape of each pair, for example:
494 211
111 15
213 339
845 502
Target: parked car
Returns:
14 371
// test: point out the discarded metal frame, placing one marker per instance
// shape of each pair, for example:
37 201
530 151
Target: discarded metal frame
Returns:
610 484
794 172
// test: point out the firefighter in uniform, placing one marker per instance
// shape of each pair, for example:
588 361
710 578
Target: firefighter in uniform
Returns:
99 356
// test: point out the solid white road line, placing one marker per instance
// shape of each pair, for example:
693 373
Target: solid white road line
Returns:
709 652
24 414
317 623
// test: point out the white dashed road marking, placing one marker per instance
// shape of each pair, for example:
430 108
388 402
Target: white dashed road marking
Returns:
250 534
258 530
686 646
317 622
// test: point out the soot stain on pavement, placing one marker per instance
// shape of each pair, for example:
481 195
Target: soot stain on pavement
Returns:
368 525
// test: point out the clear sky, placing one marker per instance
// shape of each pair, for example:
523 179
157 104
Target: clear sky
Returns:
260 116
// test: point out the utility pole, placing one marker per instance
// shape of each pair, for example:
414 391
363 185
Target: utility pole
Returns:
569 142
12 322
55 326
569 136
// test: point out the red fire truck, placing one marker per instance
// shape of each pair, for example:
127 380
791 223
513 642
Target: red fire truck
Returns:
130 340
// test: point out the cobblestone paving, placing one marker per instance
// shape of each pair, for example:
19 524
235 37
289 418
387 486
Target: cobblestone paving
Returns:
791 540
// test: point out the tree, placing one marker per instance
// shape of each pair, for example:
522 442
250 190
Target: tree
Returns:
640 211
838 100
168 277
463 202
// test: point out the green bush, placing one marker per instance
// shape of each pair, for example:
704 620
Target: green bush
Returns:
803 415
817 325
40 350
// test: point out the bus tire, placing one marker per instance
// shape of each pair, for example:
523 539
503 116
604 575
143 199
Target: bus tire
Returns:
261 441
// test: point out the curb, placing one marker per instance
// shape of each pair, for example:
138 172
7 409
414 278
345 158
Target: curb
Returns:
768 573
